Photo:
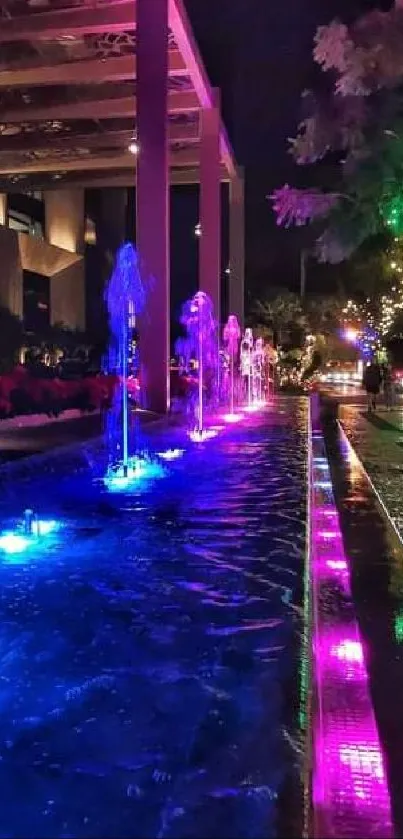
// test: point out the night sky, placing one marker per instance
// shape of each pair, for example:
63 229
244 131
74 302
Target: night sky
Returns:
259 52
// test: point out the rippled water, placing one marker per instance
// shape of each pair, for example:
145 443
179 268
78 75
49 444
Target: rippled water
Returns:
147 653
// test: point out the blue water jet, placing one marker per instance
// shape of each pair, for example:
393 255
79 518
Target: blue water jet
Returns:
125 300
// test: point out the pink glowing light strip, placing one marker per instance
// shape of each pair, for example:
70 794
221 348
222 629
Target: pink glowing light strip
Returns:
350 792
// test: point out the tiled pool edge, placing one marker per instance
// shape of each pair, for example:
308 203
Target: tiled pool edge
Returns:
350 797
306 697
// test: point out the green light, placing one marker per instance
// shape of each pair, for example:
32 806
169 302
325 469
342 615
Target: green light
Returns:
399 627
392 212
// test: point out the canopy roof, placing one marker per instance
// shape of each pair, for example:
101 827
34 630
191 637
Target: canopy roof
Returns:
68 95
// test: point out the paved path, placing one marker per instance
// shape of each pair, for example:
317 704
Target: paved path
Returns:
378 441
18 441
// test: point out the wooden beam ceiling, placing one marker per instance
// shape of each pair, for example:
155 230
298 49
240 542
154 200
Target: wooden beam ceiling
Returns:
116 16
125 107
178 177
94 71
87 163
11 145
183 176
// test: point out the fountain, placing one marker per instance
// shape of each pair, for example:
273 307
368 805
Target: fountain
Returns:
200 344
231 338
246 365
125 300
258 355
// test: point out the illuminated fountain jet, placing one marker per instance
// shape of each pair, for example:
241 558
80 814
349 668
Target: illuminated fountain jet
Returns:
246 365
231 339
200 344
125 300
258 358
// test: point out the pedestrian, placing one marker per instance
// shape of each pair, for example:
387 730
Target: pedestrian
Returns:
388 386
372 383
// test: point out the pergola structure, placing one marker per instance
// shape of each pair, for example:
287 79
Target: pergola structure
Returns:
79 80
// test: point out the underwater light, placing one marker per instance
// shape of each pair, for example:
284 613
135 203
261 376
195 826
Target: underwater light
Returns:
121 478
13 543
337 564
45 527
349 650
251 409
201 436
232 418
29 534
171 454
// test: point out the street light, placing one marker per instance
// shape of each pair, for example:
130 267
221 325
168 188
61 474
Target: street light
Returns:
198 230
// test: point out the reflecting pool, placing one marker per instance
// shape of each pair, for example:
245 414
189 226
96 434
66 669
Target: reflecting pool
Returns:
148 647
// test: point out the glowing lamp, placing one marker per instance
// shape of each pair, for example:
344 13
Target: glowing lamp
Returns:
351 335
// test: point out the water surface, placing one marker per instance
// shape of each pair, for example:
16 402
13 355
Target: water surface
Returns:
147 651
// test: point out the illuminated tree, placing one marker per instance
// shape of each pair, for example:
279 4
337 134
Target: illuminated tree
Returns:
361 122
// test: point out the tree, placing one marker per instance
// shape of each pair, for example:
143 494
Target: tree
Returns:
278 314
11 339
360 125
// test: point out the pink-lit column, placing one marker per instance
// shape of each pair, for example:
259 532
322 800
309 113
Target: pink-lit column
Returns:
153 195
237 247
210 204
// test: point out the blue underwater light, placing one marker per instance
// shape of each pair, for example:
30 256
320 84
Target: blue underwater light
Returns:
13 543
124 478
28 535
171 454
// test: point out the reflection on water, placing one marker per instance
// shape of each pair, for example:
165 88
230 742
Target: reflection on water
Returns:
146 652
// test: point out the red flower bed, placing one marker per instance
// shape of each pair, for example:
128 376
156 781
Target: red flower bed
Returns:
23 393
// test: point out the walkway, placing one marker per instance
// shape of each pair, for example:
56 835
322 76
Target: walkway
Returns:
372 542
28 435
378 441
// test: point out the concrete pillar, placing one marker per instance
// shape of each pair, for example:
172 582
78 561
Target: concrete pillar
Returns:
64 219
210 205
152 196
64 228
3 208
237 247
11 274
